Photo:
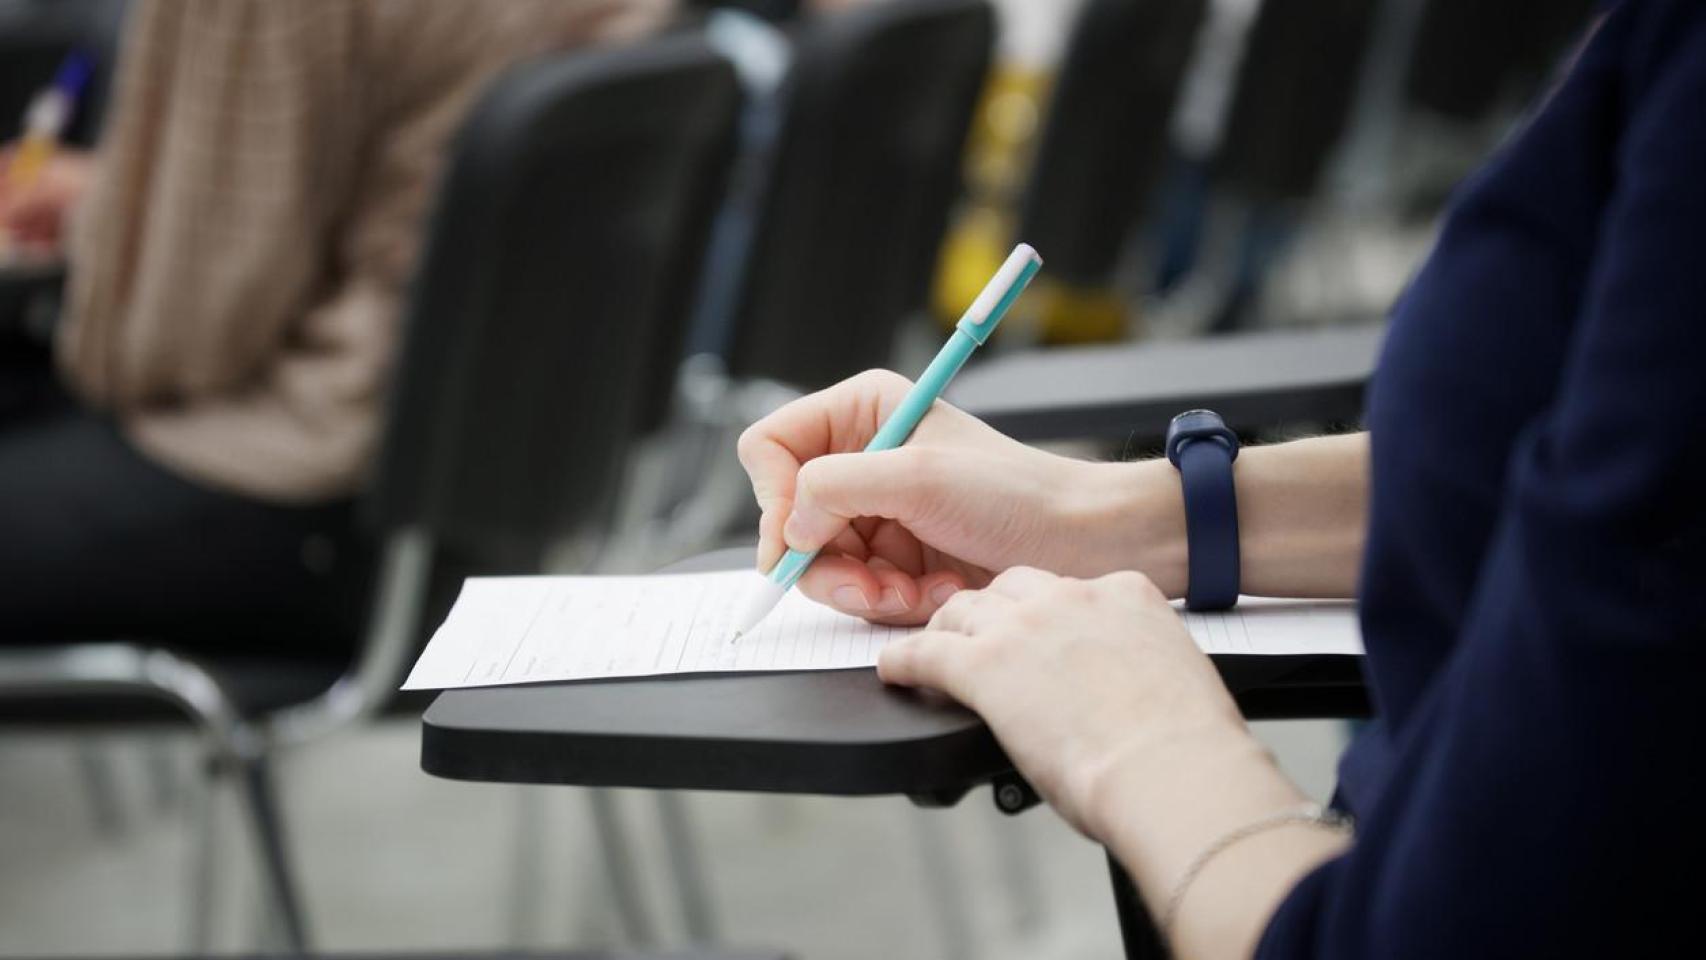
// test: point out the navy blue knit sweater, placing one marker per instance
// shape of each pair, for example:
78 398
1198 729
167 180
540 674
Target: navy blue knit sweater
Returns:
1534 590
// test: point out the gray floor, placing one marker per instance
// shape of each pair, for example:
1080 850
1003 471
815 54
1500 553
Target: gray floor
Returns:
394 859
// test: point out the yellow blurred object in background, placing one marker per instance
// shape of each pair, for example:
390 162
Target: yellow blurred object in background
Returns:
27 163
1068 315
999 149
998 152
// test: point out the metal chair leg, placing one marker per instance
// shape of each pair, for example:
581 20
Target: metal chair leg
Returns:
95 766
165 781
261 804
617 853
105 668
1019 872
697 912
527 867
202 836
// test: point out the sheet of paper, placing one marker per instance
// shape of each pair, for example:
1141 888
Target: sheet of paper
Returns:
506 630
1271 626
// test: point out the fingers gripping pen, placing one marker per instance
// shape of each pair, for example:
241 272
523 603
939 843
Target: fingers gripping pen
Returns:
975 326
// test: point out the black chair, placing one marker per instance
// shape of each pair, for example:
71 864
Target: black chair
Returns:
29 305
1293 97
778 11
842 187
1105 133
867 163
1468 57
567 232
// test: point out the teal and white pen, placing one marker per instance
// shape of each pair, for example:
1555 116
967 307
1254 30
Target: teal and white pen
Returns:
975 326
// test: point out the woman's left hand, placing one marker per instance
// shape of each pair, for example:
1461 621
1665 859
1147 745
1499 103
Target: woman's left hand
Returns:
1076 678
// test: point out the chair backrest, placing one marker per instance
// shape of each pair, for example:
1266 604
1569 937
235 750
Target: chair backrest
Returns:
1293 97
1105 132
548 301
1469 57
877 106
777 11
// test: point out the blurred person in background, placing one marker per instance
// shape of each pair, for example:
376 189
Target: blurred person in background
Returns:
239 246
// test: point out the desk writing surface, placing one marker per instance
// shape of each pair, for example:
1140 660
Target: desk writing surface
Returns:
837 732
834 732
1117 391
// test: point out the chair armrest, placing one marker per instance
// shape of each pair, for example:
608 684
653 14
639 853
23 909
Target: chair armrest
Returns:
1254 381
96 670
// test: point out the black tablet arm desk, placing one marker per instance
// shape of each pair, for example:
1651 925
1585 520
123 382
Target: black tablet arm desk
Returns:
1254 381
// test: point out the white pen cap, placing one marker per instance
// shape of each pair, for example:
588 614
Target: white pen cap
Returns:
1000 292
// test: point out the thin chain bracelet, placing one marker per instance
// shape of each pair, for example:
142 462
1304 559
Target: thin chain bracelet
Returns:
1313 814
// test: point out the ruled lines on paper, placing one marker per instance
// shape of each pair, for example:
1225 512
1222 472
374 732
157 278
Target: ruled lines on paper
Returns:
530 629
507 630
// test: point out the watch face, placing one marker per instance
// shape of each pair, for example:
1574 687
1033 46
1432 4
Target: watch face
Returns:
1198 424
1196 420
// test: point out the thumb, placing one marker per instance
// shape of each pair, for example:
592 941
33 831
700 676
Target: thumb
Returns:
834 489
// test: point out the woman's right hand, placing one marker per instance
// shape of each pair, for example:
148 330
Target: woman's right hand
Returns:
902 530
35 215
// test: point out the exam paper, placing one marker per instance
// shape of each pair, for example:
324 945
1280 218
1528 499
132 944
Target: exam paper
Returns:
506 630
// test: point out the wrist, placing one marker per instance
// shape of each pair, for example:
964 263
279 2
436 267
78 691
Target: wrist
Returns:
1131 516
1148 784
1161 807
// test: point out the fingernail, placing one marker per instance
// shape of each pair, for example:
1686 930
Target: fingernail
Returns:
942 592
849 598
891 602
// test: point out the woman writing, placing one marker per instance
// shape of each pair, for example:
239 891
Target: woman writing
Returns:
1523 527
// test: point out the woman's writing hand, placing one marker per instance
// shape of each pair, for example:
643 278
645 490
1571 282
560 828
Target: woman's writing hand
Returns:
1077 679
35 214
903 529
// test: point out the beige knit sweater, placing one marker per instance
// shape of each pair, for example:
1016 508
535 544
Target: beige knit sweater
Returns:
239 265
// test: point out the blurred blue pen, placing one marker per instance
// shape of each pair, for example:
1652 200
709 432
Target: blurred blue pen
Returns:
975 326
45 122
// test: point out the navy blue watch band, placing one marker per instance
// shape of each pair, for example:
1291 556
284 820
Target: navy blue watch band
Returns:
1201 446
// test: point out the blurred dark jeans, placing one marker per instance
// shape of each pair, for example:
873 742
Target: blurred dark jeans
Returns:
97 542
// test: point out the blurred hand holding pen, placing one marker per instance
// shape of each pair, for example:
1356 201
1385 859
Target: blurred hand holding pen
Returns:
40 181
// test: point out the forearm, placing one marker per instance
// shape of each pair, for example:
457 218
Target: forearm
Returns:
1302 518
1160 811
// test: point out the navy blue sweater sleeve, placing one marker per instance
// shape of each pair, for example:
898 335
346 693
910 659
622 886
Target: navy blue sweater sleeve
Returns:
1537 805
